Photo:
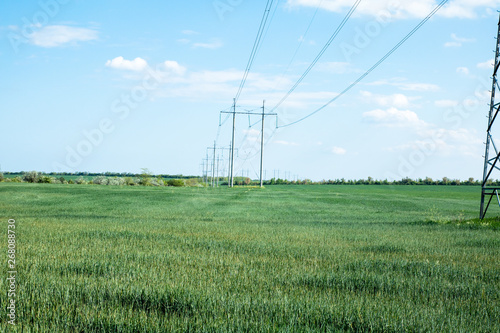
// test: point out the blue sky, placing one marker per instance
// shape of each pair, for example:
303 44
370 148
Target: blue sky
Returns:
106 86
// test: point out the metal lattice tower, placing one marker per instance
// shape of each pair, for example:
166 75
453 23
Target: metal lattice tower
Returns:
491 162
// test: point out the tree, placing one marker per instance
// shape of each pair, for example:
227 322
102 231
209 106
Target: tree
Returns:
145 177
31 177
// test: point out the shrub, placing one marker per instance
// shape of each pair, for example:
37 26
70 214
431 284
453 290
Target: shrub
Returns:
1 177
31 177
156 182
7 180
100 180
45 179
175 182
17 179
80 180
191 182
71 181
145 181
130 181
116 181
145 177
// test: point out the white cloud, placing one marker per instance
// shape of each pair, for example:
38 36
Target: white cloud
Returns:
461 39
338 151
452 44
58 35
173 66
459 141
215 44
463 70
487 64
395 100
431 139
403 84
138 64
286 143
446 103
458 41
401 9
393 117
212 44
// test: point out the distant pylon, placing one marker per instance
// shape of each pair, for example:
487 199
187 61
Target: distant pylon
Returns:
491 163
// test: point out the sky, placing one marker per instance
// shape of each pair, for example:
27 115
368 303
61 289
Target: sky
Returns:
119 86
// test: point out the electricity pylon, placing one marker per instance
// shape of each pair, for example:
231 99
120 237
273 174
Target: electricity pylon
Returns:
490 163
248 113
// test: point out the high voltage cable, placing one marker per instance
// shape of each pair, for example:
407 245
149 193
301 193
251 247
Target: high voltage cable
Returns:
255 48
296 51
323 50
378 63
300 44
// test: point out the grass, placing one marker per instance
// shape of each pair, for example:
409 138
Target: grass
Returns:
306 258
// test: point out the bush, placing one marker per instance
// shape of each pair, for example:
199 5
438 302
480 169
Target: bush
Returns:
116 181
145 177
31 177
100 180
156 182
192 182
80 180
17 179
1 177
176 182
145 181
130 181
71 181
46 179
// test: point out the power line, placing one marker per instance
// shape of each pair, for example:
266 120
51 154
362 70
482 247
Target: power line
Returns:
300 44
255 48
378 63
323 50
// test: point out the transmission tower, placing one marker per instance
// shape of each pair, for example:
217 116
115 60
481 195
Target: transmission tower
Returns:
490 162
248 113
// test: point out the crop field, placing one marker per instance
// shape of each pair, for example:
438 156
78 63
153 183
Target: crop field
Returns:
285 258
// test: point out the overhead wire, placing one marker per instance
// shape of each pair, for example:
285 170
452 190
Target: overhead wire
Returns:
255 48
377 64
323 50
301 42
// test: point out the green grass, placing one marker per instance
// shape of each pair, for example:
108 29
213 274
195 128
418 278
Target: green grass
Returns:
305 258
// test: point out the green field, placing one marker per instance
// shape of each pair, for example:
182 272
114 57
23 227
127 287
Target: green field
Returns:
292 258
